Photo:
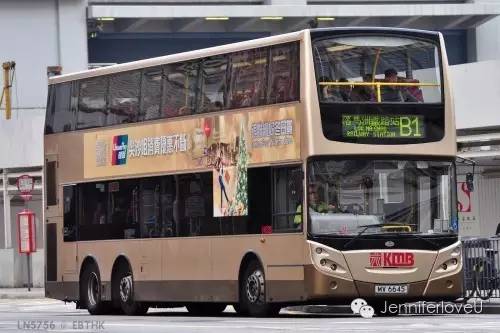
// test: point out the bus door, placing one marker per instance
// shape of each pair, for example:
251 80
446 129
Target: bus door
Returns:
69 248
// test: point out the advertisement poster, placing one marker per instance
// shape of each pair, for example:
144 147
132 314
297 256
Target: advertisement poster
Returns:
230 190
467 210
199 143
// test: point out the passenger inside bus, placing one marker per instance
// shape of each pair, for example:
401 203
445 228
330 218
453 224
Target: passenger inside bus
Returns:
280 91
336 93
396 93
364 93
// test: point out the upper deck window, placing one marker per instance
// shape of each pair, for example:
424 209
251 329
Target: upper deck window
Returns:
150 105
92 103
60 116
283 73
214 85
180 82
377 69
249 78
123 98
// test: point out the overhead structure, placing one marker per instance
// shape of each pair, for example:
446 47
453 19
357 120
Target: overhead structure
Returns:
280 16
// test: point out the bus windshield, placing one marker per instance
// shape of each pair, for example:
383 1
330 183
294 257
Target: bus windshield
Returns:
346 196
377 69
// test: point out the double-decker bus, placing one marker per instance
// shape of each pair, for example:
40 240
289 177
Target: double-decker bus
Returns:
311 167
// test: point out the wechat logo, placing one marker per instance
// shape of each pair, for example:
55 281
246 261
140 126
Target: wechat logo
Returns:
361 307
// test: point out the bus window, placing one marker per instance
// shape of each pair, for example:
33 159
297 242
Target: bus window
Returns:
63 120
180 82
195 206
284 73
51 109
213 84
151 93
123 98
92 103
70 215
150 210
248 78
94 202
51 182
287 200
167 198
122 209
385 69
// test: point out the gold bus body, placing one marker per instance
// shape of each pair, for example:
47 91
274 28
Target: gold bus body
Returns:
207 268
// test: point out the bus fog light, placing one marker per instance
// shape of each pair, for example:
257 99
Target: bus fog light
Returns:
333 267
449 284
454 261
334 285
444 266
457 251
319 250
322 262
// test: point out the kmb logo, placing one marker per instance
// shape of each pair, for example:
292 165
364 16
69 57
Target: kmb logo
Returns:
392 259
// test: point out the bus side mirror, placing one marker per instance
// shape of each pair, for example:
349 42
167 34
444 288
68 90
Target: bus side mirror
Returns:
469 181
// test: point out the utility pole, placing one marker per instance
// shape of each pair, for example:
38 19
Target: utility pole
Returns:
7 84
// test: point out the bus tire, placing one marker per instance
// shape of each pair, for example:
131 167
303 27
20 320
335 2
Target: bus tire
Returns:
253 293
239 310
124 288
91 292
206 309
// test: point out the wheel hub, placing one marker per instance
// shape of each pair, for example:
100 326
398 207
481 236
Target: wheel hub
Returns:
93 289
255 287
126 288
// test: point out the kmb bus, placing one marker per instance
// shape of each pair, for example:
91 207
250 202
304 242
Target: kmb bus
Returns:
312 167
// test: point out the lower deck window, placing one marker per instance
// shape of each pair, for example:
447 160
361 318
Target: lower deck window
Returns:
180 206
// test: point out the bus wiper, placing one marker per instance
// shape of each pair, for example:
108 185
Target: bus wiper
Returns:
436 245
366 227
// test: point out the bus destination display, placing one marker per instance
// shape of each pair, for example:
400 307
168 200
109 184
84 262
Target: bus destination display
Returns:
383 126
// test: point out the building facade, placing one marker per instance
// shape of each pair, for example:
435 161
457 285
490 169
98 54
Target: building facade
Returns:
81 34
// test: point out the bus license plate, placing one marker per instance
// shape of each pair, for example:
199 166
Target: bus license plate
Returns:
391 289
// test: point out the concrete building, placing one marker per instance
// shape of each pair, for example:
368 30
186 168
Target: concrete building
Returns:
78 34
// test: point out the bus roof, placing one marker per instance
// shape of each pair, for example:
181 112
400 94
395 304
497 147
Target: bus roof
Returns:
173 58
222 49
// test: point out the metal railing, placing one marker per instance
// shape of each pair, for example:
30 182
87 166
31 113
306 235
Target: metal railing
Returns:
481 268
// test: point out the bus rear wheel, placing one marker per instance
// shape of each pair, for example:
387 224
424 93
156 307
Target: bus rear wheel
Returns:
253 293
123 289
90 291
206 309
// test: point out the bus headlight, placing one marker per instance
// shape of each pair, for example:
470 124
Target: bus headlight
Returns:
329 261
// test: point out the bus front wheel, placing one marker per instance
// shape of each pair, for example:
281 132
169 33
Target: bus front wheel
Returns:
253 293
124 289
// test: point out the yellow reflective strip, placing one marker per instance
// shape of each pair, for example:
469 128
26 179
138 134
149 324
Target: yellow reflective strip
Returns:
395 84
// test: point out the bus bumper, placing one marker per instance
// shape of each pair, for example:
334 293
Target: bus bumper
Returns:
321 286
